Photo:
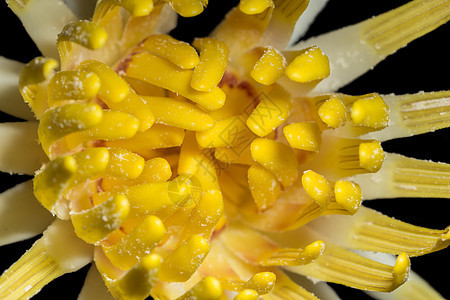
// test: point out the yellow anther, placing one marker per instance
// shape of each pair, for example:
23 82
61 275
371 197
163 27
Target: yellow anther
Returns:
348 194
213 63
95 224
187 8
180 53
124 164
90 162
179 113
318 187
184 260
208 288
270 67
162 73
371 156
72 85
221 136
63 120
137 244
136 8
273 110
112 87
190 155
303 135
136 106
50 182
333 112
114 125
32 82
85 33
401 270
277 158
262 282
370 111
253 7
138 282
311 252
157 137
247 294
264 186
310 65
156 170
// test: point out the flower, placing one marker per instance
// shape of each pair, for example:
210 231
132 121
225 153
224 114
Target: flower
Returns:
103 165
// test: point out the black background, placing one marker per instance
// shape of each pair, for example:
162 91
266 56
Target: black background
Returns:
422 66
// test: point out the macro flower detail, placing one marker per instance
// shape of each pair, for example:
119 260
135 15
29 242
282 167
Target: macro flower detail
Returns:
226 169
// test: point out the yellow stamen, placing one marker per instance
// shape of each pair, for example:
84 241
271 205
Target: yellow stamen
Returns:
180 53
348 194
252 7
318 187
273 110
184 260
370 111
93 225
263 185
72 85
136 244
247 294
311 64
371 156
187 8
162 73
136 8
269 67
90 162
213 63
303 135
333 112
208 288
262 282
277 158
125 164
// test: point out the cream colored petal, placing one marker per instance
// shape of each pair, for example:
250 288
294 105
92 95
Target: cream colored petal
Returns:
81 8
21 214
320 289
20 151
11 101
94 288
43 20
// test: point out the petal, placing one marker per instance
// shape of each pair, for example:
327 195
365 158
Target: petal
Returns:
94 288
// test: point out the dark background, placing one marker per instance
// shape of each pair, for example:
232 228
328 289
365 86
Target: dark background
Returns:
422 66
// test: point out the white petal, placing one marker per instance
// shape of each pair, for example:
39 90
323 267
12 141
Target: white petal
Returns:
43 20
84 9
21 214
20 151
94 288
11 101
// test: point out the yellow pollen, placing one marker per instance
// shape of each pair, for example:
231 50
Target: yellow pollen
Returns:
303 135
370 111
371 156
333 112
348 194
269 67
318 187
310 65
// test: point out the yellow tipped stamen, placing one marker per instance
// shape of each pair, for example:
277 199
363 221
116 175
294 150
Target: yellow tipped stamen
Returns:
262 282
138 282
273 110
90 162
333 112
213 63
208 288
124 164
179 113
32 82
95 224
180 53
253 7
269 67
303 135
136 8
72 85
345 267
247 294
263 185
277 158
157 137
348 195
371 156
113 125
318 187
85 33
162 73
185 260
311 64
370 111
50 183
285 288
187 8
136 244
112 88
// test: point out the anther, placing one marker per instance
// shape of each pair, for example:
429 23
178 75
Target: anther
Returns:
333 112
208 288
247 294
262 282
370 111
264 186
187 8
85 33
310 65
348 194
371 156
304 136
252 7
269 67
318 187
